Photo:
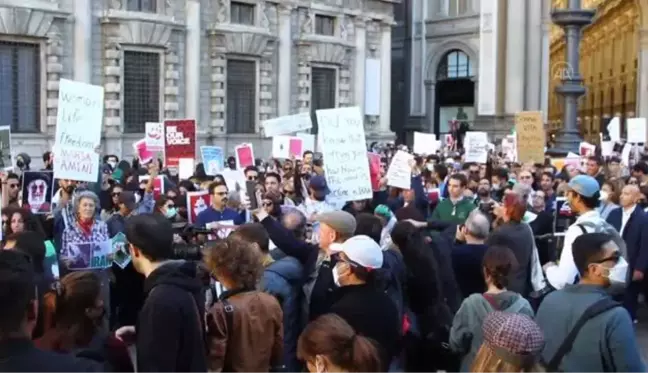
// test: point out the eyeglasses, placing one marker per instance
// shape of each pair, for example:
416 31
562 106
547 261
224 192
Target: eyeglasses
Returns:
116 194
170 206
614 258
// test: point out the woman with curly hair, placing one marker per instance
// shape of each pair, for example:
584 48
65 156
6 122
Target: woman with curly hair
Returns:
245 327
19 220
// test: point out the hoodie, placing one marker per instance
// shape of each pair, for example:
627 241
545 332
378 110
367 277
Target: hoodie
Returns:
466 334
170 327
283 279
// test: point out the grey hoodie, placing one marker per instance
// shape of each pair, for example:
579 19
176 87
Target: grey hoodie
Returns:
466 333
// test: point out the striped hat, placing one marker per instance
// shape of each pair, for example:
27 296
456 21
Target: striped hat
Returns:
513 337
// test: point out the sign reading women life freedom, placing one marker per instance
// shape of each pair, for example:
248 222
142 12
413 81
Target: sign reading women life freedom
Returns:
78 131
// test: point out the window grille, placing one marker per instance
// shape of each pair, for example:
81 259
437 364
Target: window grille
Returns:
141 91
242 13
325 25
20 86
455 65
241 96
323 91
149 6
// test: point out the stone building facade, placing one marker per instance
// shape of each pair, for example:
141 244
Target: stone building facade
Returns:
489 58
228 63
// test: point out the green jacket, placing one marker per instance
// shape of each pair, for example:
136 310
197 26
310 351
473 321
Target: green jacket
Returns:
454 213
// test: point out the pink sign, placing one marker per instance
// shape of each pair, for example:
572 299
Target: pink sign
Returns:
295 147
143 153
244 155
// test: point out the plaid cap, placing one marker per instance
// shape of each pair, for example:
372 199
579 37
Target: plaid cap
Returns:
513 336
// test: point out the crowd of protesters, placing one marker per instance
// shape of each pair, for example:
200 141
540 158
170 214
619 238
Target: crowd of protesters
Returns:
466 270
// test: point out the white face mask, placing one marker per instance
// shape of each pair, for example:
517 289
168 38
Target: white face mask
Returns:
430 167
112 164
604 195
336 276
618 273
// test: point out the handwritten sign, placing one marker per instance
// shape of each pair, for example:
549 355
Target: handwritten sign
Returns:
476 144
212 157
399 173
287 124
344 150
530 136
78 131
636 130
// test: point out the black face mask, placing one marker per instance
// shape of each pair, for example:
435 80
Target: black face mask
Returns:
20 164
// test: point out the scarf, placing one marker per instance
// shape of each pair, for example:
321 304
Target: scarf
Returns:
86 225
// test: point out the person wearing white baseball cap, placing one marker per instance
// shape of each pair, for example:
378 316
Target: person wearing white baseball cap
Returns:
362 301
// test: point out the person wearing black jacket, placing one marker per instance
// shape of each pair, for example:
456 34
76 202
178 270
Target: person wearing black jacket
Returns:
18 316
335 227
170 327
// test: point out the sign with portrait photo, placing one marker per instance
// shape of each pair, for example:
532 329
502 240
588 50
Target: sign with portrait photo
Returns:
197 202
37 193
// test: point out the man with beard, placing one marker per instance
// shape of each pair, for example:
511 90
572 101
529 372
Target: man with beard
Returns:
218 211
11 183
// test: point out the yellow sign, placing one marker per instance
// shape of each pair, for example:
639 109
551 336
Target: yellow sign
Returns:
530 132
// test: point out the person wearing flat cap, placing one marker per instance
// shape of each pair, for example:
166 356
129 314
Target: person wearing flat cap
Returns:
361 301
319 287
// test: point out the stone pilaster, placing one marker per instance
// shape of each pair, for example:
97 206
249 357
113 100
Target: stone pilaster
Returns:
218 63
54 69
171 77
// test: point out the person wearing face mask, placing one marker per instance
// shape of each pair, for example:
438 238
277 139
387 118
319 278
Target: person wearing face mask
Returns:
604 335
74 315
361 301
23 161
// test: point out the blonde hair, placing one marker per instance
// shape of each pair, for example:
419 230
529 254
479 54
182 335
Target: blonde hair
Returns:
487 361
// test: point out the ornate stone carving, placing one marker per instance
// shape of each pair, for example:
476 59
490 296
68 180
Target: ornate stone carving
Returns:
307 22
223 11
264 19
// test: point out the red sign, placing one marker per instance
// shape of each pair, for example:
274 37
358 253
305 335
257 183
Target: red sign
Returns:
179 141
374 170
197 202
158 184
244 155
143 153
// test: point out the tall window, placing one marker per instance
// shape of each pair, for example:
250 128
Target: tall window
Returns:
242 13
456 64
241 96
324 25
457 7
323 91
141 84
20 86
149 6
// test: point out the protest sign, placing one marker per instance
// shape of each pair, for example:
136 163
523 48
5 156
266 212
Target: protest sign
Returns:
287 124
186 168
37 191
180 141
586 149
530 132
144 154
121 255
197 202
425 143
476 145
158 184
78 131
614 129
87 255
6 158
308 141
607 148
154 136
374 170
284 147
399 173
509 148
345 150
244 156
222 229
636 130
212 157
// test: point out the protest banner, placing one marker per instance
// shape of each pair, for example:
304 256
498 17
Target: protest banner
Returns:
374 170
6 155
37 191
399 173
212 158
344 148
530 132
284 147
476 145
154 136
144 154
179 141
636 130
287 124
78 131
197 202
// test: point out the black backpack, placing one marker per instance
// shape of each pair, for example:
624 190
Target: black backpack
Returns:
592 311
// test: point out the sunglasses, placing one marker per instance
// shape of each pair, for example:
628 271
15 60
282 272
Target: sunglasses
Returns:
614 257
117 194
252 178
170 206
267 204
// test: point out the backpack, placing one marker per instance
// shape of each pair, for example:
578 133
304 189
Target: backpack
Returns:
592 311
607 228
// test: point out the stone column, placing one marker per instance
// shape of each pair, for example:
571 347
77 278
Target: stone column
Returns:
430 100
642 81
533 55
285 59
83 41
515 56
192 61
360 60
544 73
386 74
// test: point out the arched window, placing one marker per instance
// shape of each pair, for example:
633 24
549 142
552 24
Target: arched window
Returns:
455 65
